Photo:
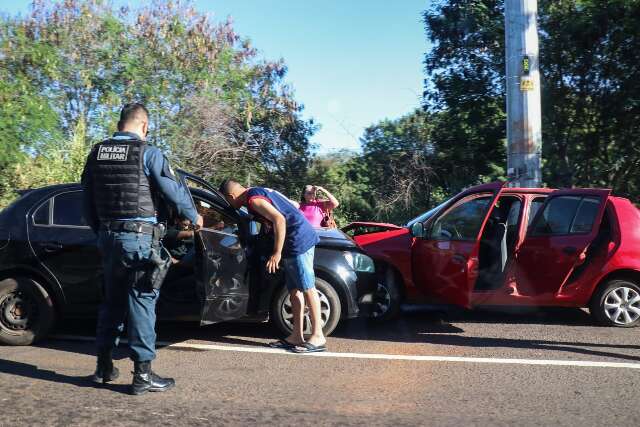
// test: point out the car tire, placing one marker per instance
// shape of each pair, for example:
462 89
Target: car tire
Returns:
615 304
387 297
330 307
26 311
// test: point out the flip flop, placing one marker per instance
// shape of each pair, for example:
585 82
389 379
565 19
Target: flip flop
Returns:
282 344
309 348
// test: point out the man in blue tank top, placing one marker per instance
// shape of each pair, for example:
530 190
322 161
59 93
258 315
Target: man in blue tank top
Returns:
294 245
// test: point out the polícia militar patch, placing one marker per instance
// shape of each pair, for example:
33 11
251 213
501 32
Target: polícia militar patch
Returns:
113 152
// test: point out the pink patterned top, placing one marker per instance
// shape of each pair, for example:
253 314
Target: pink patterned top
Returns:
314 211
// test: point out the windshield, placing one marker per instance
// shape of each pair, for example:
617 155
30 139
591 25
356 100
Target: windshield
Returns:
425 216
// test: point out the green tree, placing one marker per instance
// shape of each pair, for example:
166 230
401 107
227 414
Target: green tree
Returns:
78 61
590 89
399 156
346 176
591 93
58 163
465 90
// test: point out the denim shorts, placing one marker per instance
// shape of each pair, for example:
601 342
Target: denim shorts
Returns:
298 271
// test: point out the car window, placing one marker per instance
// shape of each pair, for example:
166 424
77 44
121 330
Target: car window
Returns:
195 183
214 219
586 216
567 215
41 215
463 221
425 216
514 213
67 209
534 207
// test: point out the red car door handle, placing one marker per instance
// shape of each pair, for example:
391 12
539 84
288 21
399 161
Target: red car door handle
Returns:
570 250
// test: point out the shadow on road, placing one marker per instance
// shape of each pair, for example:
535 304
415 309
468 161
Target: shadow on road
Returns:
564 346
168 333
417 325
513 315
32 371
435 327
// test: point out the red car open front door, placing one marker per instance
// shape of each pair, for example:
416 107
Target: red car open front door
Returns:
557 240
445 257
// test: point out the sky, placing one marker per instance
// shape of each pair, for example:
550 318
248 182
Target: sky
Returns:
351 63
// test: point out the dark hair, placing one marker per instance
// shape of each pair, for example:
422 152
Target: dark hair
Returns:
224 186
131 111
302 198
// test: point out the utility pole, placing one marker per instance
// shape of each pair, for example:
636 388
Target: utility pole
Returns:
524 128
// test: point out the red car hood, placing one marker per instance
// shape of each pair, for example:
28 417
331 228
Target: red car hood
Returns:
392 247
393 231
374 224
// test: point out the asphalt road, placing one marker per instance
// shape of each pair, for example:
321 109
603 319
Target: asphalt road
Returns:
429 374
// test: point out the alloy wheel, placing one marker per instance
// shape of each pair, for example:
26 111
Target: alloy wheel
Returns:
230 305
325 312
622 305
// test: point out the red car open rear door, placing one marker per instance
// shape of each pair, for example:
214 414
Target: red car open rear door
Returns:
445 259
558 239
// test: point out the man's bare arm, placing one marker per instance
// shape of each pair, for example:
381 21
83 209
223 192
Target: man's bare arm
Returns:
270 213
184 235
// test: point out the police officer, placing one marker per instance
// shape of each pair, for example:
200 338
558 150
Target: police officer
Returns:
124 181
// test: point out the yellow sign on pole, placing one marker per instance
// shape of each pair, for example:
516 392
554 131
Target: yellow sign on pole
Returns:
526 84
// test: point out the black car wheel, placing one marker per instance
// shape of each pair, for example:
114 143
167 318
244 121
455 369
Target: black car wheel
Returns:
386 298
26 312
617 303
330 309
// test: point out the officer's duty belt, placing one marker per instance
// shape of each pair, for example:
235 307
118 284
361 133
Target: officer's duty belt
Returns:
136 227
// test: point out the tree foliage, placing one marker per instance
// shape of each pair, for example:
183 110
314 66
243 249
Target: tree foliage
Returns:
79 61
591 93
218 109
590 87
590 104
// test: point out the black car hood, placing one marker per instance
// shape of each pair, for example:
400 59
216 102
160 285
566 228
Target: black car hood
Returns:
334 238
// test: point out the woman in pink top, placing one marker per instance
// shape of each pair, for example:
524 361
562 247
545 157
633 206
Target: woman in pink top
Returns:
315 209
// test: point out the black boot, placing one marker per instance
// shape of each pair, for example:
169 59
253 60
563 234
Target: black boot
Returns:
144 379
105 371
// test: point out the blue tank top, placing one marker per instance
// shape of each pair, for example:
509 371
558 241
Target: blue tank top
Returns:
300 235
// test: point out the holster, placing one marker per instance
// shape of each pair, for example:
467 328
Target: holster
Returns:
159 264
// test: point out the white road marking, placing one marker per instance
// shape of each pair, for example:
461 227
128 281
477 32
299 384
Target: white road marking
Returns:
377 356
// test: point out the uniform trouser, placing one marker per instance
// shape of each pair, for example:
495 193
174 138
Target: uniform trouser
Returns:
125 258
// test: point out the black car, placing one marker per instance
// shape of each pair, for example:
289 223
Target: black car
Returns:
50 267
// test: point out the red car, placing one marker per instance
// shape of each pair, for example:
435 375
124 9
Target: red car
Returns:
357 228
493 245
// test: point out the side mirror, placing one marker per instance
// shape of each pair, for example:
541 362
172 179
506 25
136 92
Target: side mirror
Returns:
417 230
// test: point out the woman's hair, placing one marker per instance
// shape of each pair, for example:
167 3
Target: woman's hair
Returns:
302 198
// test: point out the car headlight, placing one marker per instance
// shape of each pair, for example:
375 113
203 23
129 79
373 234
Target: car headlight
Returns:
360 262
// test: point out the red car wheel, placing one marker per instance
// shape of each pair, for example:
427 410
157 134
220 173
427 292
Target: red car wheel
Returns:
617 303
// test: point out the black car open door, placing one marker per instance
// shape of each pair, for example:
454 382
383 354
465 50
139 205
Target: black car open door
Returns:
221 272
192 181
